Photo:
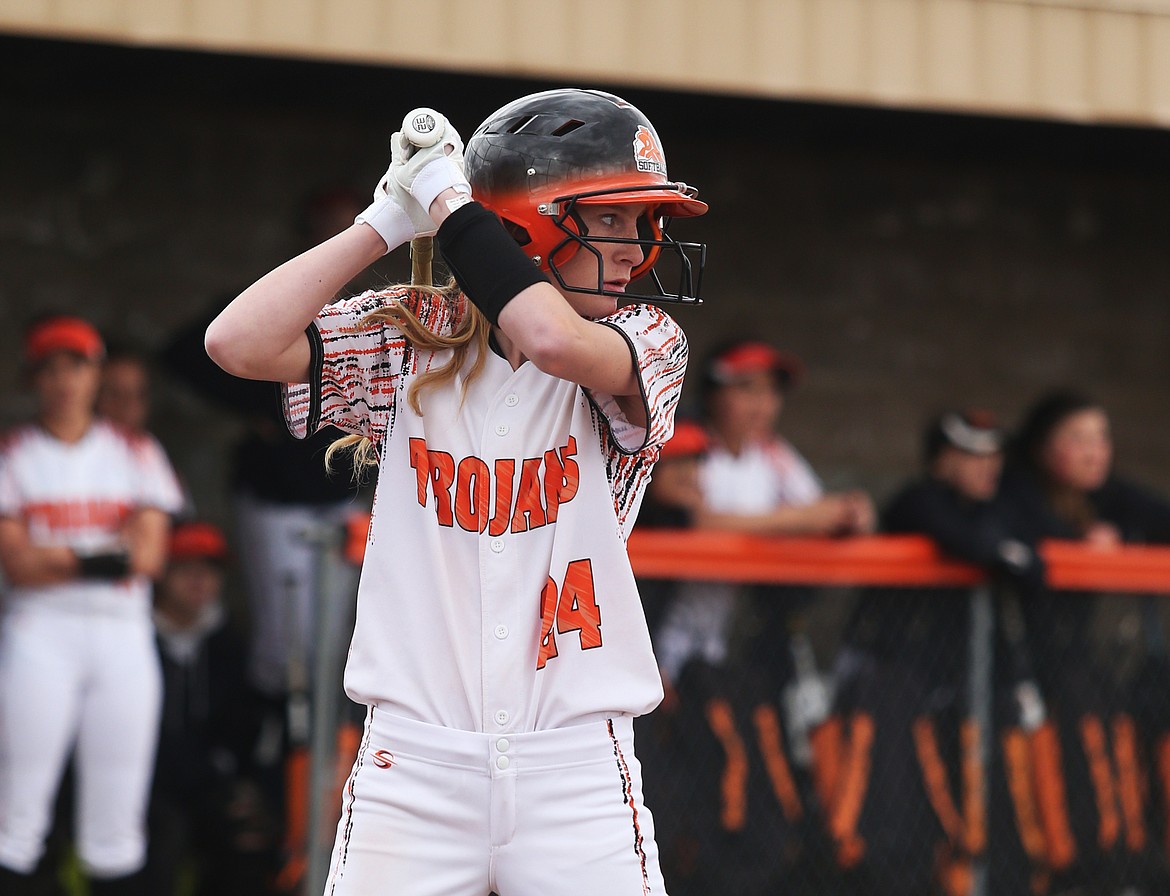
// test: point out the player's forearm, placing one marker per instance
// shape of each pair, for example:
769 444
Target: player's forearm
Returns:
34 567
787 520
261 334
146 536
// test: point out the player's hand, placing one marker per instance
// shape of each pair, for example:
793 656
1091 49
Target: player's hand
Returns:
831 514
426 171
1103 535
862 513
389 188
395 214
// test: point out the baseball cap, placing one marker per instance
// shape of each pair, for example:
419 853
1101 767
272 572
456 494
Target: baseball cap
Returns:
973 430
63 334
742 359
689 440
198 541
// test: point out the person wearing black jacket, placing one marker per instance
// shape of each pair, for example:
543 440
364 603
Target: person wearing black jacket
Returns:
1059 483
207 816
903 671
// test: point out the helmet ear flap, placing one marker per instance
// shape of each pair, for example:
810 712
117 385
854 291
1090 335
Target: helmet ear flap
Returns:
570 224
649 228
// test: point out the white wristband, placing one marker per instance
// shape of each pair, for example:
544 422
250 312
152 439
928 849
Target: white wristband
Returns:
435 177
389 219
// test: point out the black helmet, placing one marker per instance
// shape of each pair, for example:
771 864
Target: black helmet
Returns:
533 161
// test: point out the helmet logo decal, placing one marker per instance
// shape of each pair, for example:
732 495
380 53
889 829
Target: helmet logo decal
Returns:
647 154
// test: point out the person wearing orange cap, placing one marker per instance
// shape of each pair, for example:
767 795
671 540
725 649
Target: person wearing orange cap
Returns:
734 654
84 517
206 809
753 480
675 494
673 497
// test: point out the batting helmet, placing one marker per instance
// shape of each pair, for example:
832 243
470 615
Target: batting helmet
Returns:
537 159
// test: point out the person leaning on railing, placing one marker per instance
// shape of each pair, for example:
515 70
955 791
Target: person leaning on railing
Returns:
743 670
1059 483
753 481
901 676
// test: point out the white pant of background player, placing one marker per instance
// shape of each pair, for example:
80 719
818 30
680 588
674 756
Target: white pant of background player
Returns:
83 681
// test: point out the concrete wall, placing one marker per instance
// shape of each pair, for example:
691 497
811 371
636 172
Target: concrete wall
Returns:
912 260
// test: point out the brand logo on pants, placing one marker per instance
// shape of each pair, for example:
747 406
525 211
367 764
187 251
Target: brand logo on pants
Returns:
383 758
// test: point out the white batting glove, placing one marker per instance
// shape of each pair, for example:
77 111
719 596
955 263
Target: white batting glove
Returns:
395 214
429 170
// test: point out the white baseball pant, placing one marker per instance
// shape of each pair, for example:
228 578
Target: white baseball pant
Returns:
431 811
89 680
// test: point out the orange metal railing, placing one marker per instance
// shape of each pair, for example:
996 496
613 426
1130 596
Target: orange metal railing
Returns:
901 560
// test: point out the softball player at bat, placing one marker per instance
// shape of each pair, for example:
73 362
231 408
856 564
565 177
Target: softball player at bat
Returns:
500 644
84 519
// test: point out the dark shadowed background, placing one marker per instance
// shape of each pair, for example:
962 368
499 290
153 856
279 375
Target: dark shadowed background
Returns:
913 260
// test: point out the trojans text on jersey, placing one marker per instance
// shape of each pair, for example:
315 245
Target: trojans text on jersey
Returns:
509 496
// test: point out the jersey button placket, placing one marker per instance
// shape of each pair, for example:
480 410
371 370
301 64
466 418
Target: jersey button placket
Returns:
499 434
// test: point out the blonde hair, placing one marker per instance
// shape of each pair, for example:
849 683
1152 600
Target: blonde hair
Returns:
471 332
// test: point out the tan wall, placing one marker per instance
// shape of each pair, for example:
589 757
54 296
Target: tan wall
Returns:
1084 60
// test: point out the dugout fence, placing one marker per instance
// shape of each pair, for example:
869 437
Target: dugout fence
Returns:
890 722
887 722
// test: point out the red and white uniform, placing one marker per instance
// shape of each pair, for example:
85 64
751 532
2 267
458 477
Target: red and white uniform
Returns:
762 477
78 664
497 608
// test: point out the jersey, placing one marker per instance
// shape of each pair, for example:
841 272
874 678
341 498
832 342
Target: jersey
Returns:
78 669
80 495
763 476
496 594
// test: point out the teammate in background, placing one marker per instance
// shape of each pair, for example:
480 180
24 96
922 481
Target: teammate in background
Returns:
124 395
1059 483
902 670
753 480
281 495
672 498
737 656
84 517
280 488
500 644
675 494
207 813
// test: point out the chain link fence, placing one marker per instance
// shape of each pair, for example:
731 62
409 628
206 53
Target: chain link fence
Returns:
885 723
931 740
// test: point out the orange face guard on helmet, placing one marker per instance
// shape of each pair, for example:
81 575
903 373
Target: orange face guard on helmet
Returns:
537 160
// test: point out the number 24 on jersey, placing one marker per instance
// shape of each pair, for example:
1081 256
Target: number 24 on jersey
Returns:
571 609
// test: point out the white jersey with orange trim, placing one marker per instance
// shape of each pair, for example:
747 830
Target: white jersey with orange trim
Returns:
79 495
496 595
761 477
79 671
